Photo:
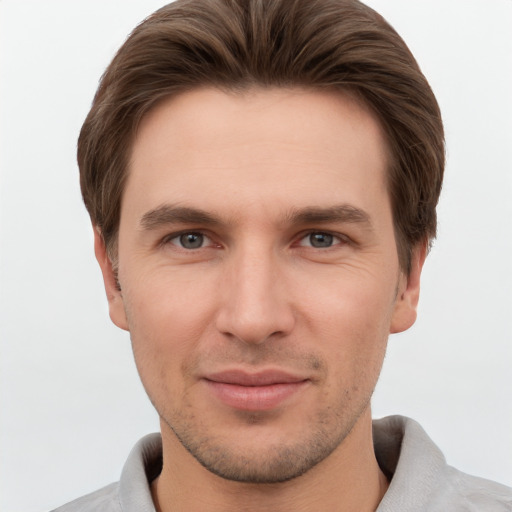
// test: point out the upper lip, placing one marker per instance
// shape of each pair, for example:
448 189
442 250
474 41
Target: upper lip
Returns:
260 378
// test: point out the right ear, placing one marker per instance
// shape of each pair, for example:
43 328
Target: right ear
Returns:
114 295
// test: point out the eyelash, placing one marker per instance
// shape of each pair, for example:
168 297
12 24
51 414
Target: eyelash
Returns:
336 239
169 238
341 239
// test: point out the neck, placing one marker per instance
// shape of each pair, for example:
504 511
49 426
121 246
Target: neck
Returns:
348 479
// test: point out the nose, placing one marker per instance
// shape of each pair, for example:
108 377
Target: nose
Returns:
255 306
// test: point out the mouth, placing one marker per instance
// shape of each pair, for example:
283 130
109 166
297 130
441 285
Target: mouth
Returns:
261 391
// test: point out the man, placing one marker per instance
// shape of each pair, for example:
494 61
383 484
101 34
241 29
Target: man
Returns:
262 180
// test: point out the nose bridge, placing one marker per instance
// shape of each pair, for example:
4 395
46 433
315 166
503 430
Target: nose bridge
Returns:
255 303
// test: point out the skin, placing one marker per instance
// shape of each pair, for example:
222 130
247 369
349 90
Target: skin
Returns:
292 267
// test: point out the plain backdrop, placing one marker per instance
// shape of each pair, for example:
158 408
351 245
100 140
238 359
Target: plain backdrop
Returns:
71 402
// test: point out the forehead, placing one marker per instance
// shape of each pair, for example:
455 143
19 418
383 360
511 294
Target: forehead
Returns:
279 148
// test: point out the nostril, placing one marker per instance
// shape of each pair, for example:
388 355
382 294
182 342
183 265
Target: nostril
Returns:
255 327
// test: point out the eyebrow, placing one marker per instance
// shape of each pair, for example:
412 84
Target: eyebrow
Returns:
344 213
171 214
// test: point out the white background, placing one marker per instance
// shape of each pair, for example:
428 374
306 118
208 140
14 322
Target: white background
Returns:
71 404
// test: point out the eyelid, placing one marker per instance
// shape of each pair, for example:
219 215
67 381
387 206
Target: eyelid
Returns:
342 238
167 239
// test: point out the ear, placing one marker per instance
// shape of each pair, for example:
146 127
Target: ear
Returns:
114 295
408 294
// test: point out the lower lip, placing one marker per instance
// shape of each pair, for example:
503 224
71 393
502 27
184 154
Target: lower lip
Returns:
255 398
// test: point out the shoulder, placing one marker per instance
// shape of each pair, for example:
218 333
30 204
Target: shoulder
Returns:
102 500
132 493
463 492
420 478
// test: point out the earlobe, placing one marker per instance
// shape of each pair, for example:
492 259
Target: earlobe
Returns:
114 295
404 313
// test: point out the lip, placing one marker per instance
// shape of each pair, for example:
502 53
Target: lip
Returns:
261 391
261 378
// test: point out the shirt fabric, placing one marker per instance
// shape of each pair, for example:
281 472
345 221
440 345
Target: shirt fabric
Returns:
421 481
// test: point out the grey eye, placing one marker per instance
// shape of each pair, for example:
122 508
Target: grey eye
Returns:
320 239
191 240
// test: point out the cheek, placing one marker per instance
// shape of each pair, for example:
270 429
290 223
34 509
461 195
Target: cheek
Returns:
169 300
350 321
351 302
167 317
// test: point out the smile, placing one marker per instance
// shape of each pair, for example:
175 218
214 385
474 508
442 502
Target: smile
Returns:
254 392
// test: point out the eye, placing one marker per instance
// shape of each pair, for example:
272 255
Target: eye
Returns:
190 240
320 240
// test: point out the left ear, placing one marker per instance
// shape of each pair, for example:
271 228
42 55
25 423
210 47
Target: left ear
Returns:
114 296
404 313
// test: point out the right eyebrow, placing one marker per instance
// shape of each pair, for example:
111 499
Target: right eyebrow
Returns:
170 214
344 213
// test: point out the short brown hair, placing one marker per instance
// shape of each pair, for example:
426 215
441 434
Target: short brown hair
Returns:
238 44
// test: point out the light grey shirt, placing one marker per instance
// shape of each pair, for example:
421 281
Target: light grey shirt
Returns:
421 481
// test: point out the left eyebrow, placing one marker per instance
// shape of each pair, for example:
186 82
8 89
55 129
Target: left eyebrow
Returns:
344 213
170 214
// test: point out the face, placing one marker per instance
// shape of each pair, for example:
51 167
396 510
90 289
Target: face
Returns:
259 274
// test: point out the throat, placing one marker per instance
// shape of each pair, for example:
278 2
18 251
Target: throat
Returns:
348 479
